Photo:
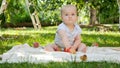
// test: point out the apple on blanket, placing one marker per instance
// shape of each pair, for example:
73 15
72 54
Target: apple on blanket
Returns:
36 44
95 44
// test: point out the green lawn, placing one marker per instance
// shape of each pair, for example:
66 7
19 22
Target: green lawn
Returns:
61 65
46 35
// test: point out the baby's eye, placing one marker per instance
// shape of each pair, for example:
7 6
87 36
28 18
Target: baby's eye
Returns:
66 14
73 14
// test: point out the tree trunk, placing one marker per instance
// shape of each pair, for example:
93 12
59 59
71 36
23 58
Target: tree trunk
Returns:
118 2
93 16
2 9
34 17
3 6
119 17
37 20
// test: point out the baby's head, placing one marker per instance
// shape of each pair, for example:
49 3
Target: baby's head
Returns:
69 14
65 7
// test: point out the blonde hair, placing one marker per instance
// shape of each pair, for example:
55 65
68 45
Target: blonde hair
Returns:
67 6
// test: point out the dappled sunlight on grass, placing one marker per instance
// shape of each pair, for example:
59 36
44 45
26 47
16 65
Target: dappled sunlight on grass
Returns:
29 31
102 38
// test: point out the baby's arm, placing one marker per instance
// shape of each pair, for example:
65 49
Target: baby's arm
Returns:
64 37
76 42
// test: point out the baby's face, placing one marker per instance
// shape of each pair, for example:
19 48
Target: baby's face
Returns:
69 15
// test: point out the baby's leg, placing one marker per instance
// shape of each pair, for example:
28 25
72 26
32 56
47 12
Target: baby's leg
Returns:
51 47
82 47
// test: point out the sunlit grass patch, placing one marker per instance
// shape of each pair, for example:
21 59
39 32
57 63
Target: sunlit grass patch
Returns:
103 38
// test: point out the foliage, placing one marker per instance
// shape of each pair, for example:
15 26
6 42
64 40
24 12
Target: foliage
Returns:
15 12
18 13
107 10
0 2
49 10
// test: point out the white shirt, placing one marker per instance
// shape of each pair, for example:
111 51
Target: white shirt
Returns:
71 35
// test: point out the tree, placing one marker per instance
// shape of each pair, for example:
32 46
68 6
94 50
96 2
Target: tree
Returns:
93 9
118 2
2 9
3 6
34 15
99 11
102 11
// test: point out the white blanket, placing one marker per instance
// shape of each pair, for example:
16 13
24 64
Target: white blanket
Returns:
25 53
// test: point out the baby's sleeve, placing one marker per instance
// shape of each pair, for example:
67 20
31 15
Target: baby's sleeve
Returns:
60 27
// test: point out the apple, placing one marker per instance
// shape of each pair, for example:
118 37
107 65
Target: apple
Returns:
66 50
83 58
69 50
95 44
35 44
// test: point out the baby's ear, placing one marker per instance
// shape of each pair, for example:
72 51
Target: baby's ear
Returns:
61 17
77 18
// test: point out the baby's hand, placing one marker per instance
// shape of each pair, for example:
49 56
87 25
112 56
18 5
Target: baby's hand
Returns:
70 50
73 51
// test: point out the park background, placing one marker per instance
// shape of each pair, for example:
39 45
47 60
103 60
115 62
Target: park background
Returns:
29 21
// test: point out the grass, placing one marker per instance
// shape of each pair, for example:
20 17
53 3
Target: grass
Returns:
61 65
46 36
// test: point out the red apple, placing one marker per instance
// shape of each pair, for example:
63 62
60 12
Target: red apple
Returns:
66 50
69 50
95 44
35 44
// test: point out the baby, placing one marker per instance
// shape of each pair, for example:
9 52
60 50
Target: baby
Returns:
67 36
